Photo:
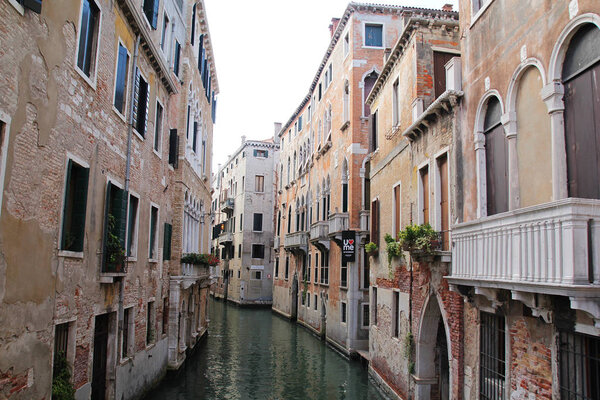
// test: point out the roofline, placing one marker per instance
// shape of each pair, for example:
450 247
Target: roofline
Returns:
264 143
203 19
350 9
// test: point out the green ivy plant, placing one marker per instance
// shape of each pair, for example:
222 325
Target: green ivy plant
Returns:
62 388
393 249
305 287
408 351
371 248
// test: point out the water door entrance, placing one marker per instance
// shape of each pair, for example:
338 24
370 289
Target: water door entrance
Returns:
100 353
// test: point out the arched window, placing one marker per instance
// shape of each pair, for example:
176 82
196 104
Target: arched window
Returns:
346 101
496 159
297 215
294 167
368 84
345 185
289 220
288 171
581 77
303 215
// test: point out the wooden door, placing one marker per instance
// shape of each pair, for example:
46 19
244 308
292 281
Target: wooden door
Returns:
439 71
582 126
99 362
444 203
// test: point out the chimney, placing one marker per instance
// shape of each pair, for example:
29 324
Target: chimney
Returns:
386 54
243 139
447 7
277 126
333 26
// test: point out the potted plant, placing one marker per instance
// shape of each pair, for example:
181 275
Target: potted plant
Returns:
419 240
115 253
371 249
393 249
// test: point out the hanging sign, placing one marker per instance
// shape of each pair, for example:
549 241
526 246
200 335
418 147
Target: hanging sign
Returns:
348 246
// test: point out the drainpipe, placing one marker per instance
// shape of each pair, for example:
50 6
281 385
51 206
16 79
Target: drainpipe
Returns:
127 179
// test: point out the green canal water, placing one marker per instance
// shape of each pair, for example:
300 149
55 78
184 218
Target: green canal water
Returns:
254 354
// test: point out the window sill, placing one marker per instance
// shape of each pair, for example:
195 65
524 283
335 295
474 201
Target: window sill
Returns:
71 254
344 287
138 135
86 78
157 153
150 346
132 259
153 260
124 361
119 114
372 47
17 7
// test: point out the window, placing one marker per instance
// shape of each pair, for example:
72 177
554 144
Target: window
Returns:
259 183
258 220
150 318
346 100
261 153
396 103
241 222
176 58
366 270
151 12
496 159
121 78
375 221
61 341
316 301
152 253
308 268
74 209
478 5
125 335
238 274
492 357
346 44
365 315
579 366
344 274
167 241
374 306
374 35
158 127
343 312
308 300
164 34
115 223
132 226
368 84
439 71
142 96
444 204
396 210
173 148
88 37
395 313
287 267
239 251
257 275
258 251
373 132
424 189
316 267
325 267
165 315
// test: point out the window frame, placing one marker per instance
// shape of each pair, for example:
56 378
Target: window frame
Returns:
92 79
5 122
396 209
158 151
135 239
257 246
421 194
346 44
164 35
364 306
70 158
135 121
260 186
156 234
343 312
254 216
364 30
122 115
129 330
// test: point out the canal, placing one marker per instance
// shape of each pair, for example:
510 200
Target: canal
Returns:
254 354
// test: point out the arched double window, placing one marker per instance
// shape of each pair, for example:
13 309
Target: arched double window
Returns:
496 159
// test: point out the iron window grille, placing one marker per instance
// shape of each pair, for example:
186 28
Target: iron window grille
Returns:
579 366
492 354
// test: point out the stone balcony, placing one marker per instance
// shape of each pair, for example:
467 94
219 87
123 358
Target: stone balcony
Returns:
365 217
319 234
195 270
225 238
548 249
227 205
338 222
296 241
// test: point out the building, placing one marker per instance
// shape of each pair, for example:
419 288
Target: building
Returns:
243 202
525 248
324 146
416 328
88 176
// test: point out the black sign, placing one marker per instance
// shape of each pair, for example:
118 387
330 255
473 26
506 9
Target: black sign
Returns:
348 246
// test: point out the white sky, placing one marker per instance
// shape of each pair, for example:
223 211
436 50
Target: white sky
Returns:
267 53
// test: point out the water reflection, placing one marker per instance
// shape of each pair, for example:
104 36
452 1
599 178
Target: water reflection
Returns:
253 354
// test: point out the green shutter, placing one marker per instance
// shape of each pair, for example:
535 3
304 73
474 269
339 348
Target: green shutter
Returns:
80 175
65 225
105 238
167 241
153 218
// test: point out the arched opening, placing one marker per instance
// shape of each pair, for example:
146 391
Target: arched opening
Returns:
534 145
345 185
432 366
368 84
581 79
346 101
496 159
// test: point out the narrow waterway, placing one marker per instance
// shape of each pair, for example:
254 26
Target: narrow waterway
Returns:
254 354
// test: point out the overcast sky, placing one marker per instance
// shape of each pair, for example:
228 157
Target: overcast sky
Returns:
266 54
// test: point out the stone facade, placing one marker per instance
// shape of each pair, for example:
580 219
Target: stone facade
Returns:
243 202
66 148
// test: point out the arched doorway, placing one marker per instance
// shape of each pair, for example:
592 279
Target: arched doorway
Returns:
496 158
294 305
432 367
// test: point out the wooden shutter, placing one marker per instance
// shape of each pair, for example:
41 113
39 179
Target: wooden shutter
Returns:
120 80
439 71
136 97
193 23
444 203
496 160
375 221
425 184
147 93
173 148
167 241
396 210
195 137
154 20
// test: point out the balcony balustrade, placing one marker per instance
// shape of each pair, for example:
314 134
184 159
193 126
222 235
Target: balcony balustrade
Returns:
195 270
225 238
296 241
338 222
227 205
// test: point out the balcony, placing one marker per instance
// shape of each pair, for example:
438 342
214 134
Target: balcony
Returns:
552 249
365 216
319 234
195 270
296 241
338 222
227 205
225 238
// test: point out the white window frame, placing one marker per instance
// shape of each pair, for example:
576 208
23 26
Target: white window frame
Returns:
164 45
152 204
475 16
75 159
421 193
346 44
394 227
122 115
91 80
5 135
437 189
160 138
142 75
134 240
364 31
364 325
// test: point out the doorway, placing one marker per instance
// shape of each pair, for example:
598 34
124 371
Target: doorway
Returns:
100 355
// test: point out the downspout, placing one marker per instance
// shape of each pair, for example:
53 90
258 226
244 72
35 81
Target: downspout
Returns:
127 179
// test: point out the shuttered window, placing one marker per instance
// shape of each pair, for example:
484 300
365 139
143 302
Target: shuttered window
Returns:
75 204
88 37
374 35
167 242
173 148
396 210
151 12
193 24
152 253
425 191
439 71
258 222
442 163
258 251
176 58
140 106
158 127
132 224
121 79
195 137
496 159
375 221
115 223
259 183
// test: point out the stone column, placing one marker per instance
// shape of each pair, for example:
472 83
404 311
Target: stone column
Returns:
481 178
509 121
552 94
